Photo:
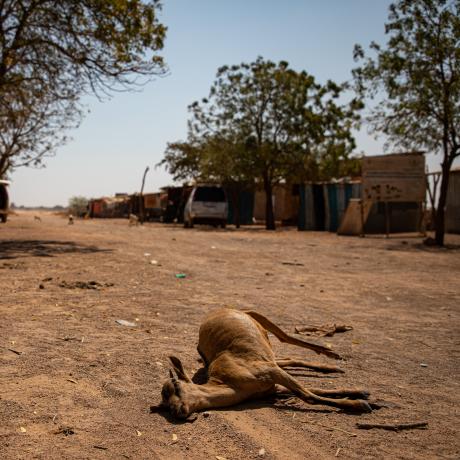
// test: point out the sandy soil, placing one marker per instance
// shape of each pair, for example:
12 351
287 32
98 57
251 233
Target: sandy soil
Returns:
75 384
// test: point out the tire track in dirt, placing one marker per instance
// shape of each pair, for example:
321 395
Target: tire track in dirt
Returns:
270 431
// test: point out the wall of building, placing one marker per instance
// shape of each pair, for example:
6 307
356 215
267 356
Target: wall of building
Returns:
453 203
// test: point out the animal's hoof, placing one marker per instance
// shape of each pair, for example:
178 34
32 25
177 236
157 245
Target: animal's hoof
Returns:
364 406
180 411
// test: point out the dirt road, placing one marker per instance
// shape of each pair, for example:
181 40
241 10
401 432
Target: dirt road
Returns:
76 384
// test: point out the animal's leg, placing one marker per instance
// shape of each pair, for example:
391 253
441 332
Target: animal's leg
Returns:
283 378
203 357
286 362
286 338
341 393
211 395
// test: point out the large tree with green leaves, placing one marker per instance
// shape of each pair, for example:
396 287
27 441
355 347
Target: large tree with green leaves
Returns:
276 123
52 52
211 159
416 80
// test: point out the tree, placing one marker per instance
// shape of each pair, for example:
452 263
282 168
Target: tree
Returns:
53 52
78 206
278 121
210 159
416 81
32 126
183 160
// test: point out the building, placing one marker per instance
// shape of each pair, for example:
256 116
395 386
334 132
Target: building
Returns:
453 202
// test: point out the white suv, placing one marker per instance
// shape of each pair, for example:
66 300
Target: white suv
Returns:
207 204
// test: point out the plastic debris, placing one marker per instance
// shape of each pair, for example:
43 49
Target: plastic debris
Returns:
123 322
181 275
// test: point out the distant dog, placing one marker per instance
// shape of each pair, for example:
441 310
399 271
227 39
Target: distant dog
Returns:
70 219
37 218
133 219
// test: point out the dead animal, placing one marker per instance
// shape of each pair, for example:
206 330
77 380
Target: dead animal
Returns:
70 219
241 365
133 219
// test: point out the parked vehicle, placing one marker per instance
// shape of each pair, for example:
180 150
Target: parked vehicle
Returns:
207 204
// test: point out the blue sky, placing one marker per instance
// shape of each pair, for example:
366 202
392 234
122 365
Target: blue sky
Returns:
120 137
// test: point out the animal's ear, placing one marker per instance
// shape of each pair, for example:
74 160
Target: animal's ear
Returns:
179 369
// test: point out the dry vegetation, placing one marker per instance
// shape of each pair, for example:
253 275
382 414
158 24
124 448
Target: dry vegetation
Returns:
76 384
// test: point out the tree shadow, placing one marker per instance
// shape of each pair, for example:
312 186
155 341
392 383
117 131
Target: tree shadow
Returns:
12 249
405 246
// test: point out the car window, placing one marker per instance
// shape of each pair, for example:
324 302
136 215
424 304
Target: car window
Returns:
214 194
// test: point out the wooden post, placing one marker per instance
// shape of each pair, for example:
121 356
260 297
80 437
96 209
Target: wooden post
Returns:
387 220
141 199
421 221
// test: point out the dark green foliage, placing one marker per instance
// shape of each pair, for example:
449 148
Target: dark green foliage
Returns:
53 52
264 123
415 80
78 206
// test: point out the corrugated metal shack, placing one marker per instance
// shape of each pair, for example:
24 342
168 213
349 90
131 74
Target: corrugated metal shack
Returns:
453 202
393 192
173 200
391 195
322 205
245 205
152 206
285 203
109 207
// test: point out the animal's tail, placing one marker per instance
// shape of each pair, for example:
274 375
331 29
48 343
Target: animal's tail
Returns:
286 338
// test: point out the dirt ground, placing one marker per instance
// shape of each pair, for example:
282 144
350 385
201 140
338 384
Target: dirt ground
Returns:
76 384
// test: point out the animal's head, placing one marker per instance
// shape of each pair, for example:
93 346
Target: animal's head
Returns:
175 394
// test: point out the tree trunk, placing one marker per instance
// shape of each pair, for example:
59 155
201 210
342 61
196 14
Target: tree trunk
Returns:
235 204
4 165
441 210
269 214
237 208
